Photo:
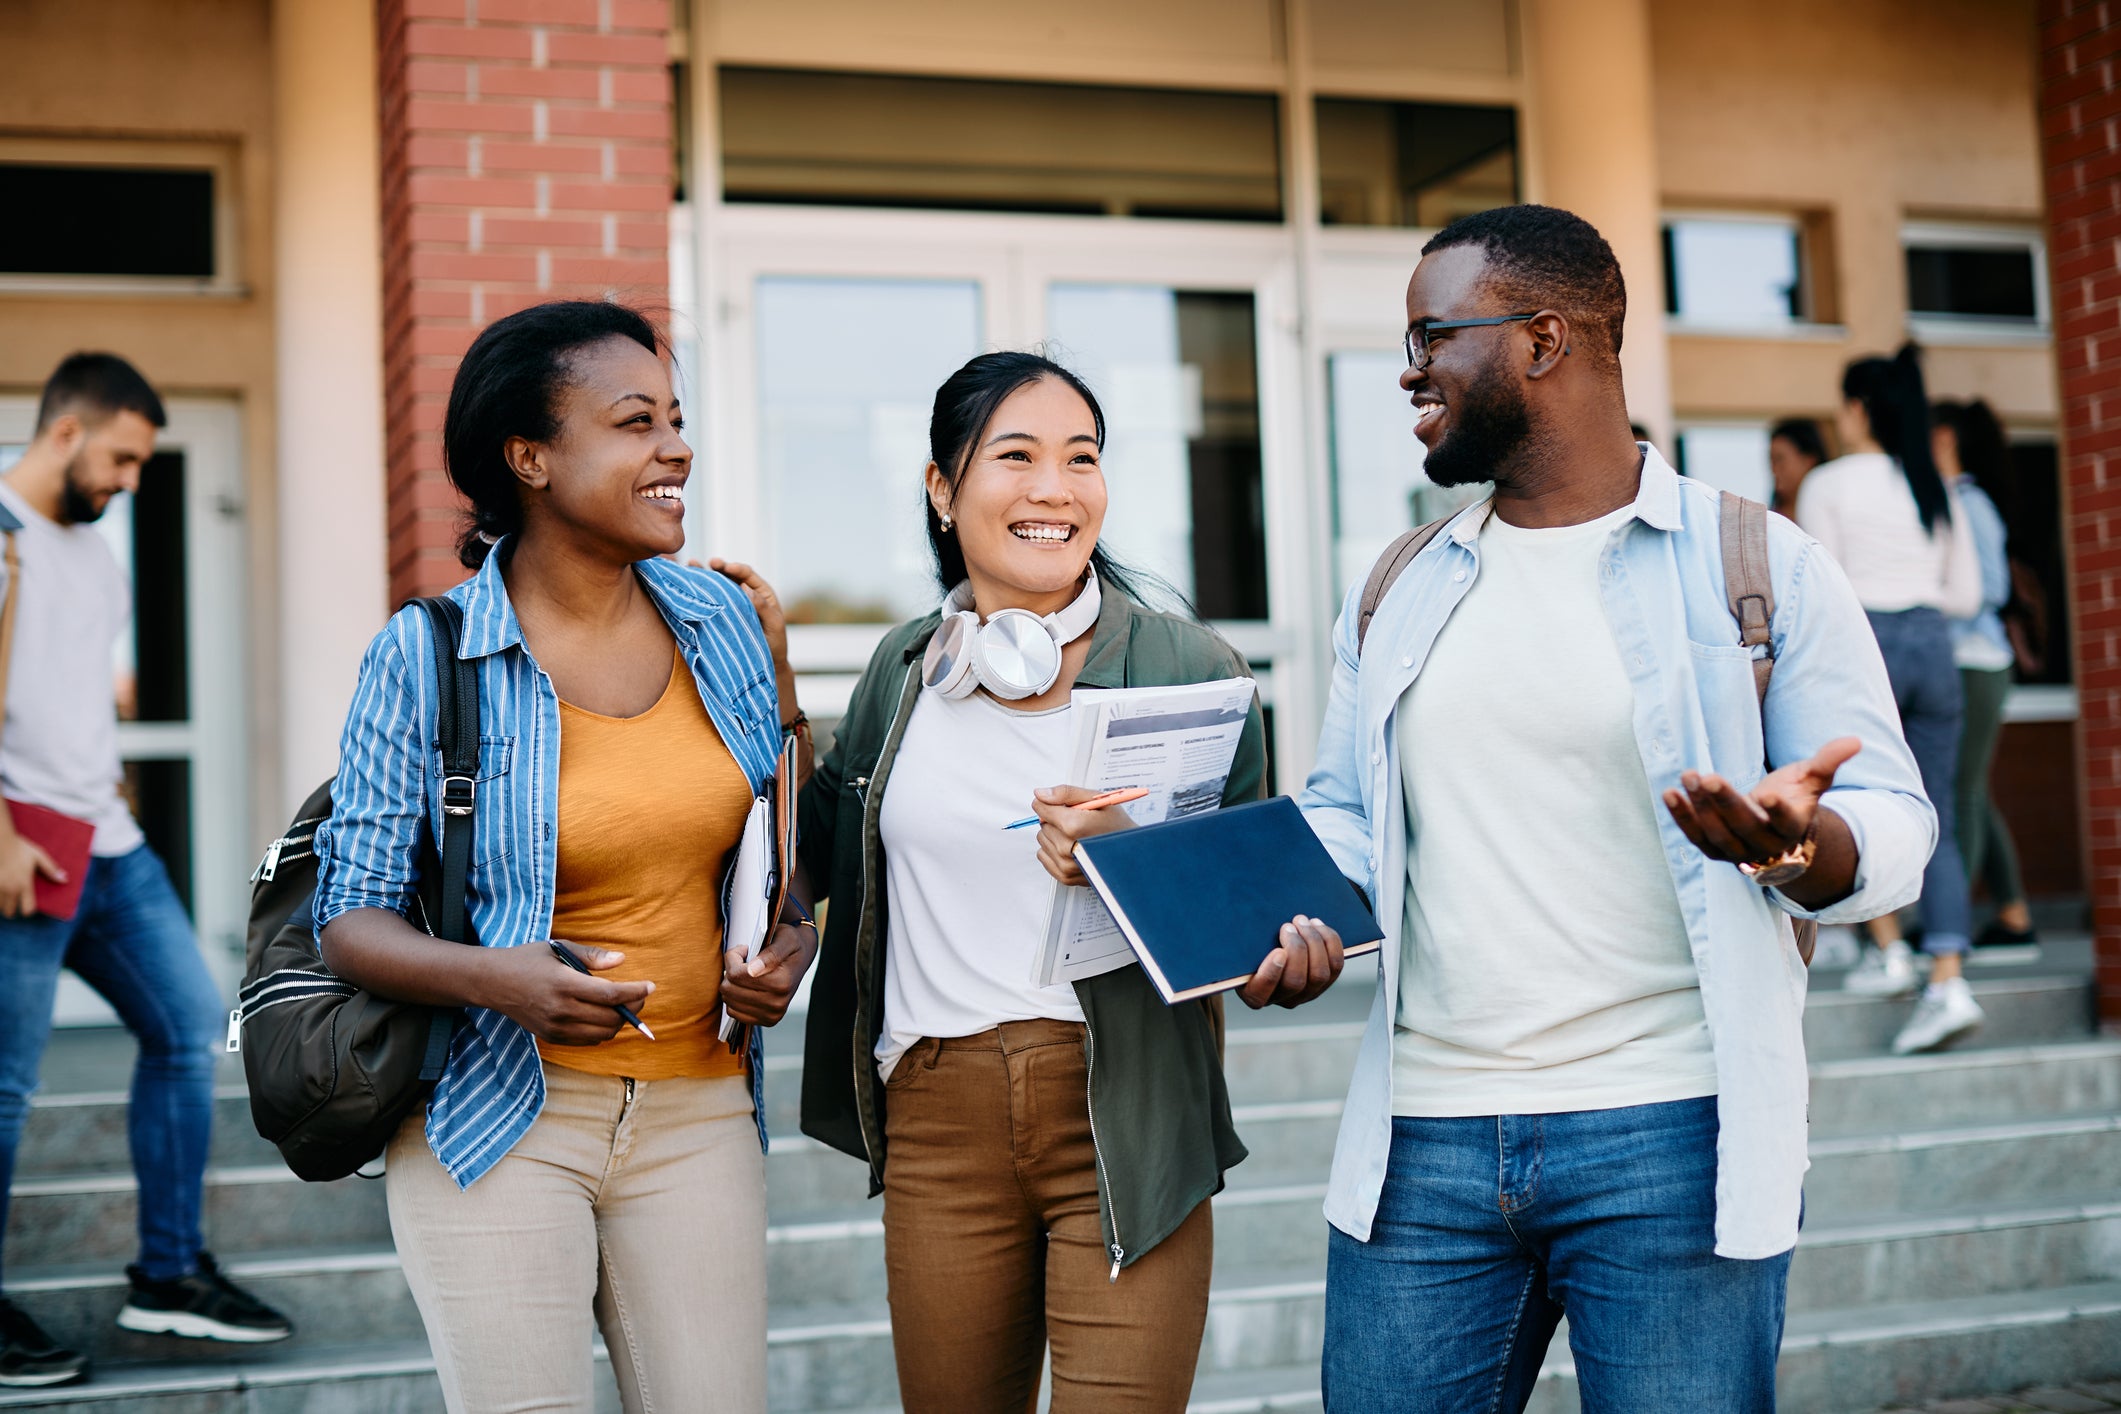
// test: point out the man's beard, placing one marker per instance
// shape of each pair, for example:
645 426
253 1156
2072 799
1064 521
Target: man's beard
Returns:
77 507
1488 425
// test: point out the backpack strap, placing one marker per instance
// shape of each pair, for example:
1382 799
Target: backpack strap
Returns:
457 723
1746 582
1751 593
1385 573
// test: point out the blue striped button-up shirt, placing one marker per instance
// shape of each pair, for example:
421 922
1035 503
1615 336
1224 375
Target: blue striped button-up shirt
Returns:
388 792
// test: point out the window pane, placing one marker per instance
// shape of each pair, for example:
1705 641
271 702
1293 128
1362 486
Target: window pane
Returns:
877 140
1379 492
1971 282
1177 372
93 220
1729 459
1413 164
847 376
1740 273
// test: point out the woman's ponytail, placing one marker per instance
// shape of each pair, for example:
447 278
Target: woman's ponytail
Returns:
1892 395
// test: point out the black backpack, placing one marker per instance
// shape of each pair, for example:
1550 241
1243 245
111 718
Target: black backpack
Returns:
333 1070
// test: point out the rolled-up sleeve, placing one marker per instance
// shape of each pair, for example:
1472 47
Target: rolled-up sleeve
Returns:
368 852
1332 798
1830 682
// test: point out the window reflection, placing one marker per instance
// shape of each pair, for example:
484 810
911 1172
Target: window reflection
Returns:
847 374
1379 491
1177 372
1413 164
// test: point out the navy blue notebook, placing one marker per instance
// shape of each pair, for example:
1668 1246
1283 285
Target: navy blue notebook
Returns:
1202 899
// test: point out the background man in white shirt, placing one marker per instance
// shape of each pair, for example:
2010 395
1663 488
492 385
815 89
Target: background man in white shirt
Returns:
1582 1092
129 937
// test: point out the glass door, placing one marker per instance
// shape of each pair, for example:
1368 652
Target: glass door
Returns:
836 328
179 671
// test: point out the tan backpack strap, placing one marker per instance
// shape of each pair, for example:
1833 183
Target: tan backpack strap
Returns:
1751 592
1397 556
1746 582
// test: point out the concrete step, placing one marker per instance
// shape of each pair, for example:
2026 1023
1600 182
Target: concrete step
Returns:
1271 1057
83 1218
1886 1093
1262 1343
1946 1255
2012 1163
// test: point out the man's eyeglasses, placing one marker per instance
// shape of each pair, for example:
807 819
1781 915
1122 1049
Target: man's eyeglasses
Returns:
1420 346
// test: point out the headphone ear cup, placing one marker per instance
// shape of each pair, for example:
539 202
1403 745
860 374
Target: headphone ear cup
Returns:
947 667
1016 655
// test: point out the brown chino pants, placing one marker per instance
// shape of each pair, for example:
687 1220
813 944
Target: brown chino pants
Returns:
994 1247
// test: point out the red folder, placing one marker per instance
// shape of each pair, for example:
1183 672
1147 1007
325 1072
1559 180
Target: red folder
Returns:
66 840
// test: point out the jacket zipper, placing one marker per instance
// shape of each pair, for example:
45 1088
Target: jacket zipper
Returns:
1119 1253
864 1062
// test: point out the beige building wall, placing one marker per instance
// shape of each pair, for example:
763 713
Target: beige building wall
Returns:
1866 113
195 71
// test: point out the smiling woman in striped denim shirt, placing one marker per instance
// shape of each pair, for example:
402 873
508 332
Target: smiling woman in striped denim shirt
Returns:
567 1170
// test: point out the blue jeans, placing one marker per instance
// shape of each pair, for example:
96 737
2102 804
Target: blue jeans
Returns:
1490 1229
131 941
1917 644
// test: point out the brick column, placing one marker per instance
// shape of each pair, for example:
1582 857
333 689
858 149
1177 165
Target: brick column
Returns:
526 156
2080 124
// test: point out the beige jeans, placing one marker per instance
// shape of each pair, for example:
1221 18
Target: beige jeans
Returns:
638 1205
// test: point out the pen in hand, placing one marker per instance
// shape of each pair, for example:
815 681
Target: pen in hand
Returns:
565 954
1098 802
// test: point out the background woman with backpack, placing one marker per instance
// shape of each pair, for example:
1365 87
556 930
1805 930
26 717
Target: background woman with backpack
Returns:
1888 517
570 1174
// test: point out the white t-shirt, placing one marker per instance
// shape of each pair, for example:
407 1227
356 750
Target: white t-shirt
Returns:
1860 508
59 739
968 898
1544 964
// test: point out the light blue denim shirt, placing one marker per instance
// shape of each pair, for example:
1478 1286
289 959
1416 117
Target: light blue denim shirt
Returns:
1981 641
388 793
1661 580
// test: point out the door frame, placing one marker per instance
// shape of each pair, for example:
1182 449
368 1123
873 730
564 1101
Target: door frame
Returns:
215 737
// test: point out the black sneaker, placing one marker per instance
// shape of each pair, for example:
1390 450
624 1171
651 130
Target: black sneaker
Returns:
1996 944
202 1306
30 1358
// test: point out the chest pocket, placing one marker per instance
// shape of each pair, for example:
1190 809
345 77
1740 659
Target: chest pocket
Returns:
494 825
1731 705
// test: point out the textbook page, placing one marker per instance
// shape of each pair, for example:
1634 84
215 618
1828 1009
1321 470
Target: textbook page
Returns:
1177 743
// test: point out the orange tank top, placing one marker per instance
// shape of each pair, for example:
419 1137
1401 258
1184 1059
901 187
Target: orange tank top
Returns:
651 807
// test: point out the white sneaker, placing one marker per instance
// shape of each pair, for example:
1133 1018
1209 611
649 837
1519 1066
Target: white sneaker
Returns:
1946 1013
1884 972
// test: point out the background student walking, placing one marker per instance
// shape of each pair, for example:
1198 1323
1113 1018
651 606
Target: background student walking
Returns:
1970 449
128 937
570 1176
1893 524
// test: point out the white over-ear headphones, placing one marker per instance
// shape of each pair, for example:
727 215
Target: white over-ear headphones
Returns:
1014 654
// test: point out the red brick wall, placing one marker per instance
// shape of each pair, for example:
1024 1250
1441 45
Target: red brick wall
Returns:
2080 125
526 156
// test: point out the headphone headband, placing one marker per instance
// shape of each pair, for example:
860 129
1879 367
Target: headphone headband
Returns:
1014 654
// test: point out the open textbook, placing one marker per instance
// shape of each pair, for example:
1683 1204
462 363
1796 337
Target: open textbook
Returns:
1175 742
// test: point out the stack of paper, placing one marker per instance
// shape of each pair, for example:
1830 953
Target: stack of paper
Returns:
1175 742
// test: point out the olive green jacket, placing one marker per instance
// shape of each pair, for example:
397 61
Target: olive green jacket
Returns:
1159 1110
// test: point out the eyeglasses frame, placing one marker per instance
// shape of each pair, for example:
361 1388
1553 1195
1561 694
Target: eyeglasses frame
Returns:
1427 327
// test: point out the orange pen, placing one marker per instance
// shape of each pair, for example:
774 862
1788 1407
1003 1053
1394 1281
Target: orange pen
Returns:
1095 802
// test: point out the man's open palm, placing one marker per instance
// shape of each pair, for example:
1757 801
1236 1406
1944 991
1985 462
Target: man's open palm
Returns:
1755 826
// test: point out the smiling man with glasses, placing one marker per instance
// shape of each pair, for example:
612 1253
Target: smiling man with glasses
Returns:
1583 1088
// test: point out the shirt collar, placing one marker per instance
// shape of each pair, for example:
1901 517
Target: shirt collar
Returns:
490 620
1656 501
